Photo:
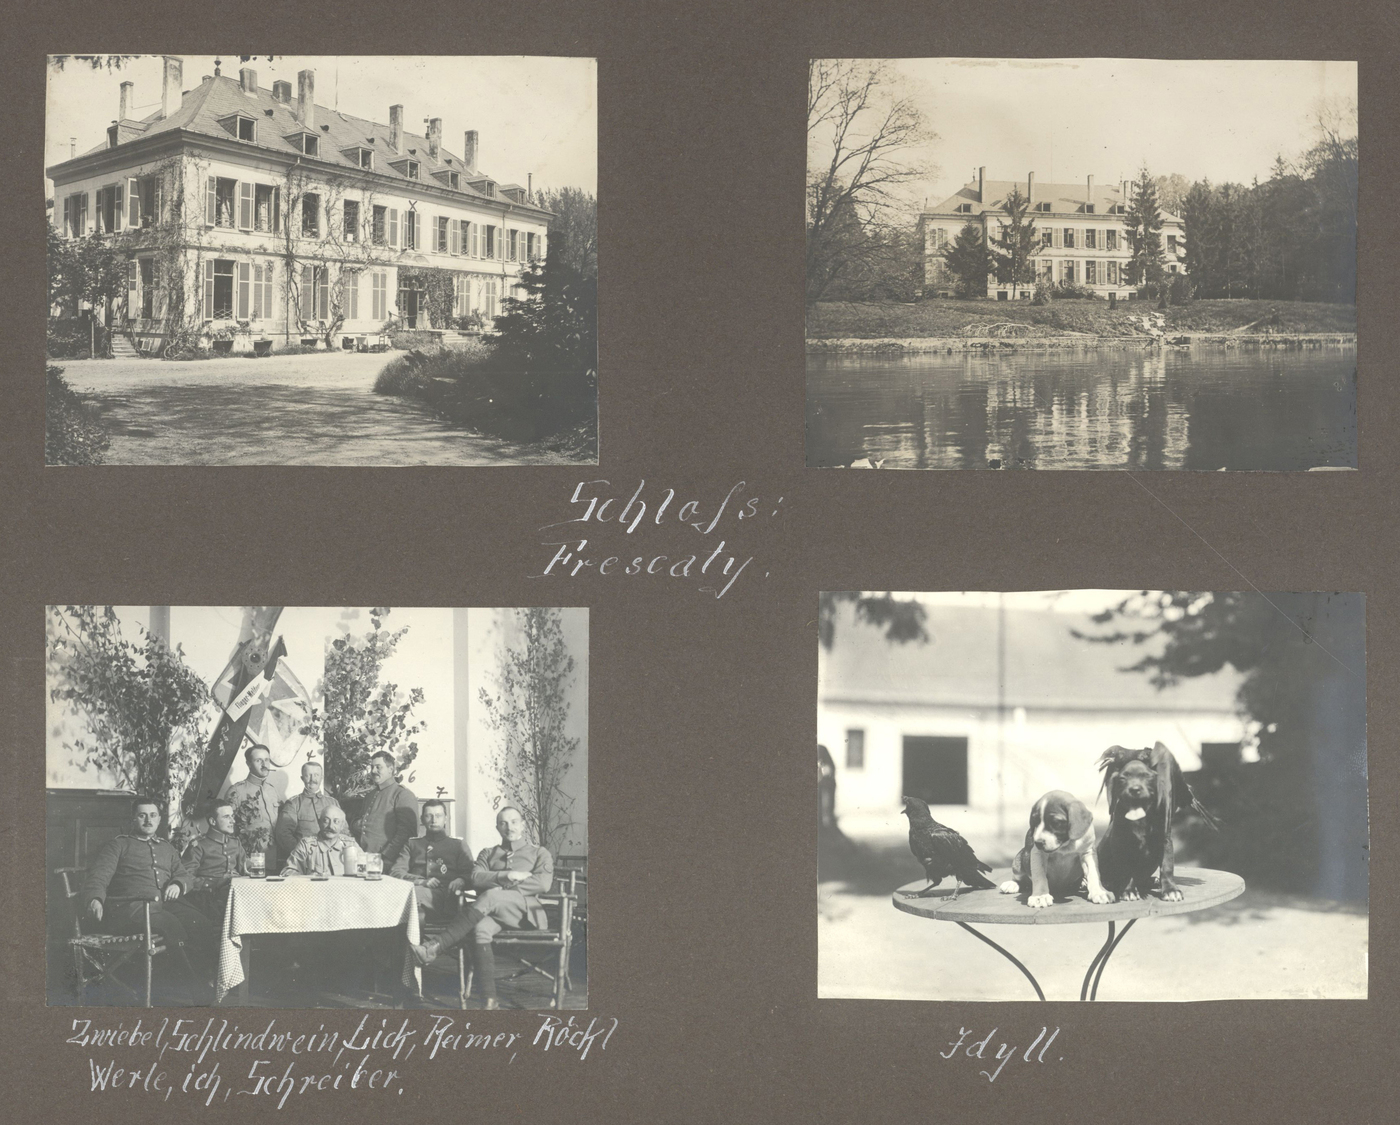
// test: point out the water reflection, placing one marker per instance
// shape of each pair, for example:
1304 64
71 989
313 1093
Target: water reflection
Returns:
1171 408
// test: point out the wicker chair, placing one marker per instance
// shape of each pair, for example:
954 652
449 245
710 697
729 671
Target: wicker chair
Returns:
559 909
96 956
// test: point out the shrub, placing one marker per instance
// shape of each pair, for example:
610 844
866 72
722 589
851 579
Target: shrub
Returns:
1068 291
1044 294
72 434
71 338
405 339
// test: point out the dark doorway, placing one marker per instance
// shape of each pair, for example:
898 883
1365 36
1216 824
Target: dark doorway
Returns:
935 769
408 306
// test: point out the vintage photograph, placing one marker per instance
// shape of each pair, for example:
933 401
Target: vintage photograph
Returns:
1093 795
317 807
1081 264
272 260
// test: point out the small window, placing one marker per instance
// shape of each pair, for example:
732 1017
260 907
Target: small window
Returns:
410 169
1091 239
247 129
1110 240
111 136
1171 244
855 749
1043 207
267 209
1088 208
454 181
1047 238
964 208
307 143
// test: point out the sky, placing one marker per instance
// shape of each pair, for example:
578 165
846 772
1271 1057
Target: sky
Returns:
1066 119
534 114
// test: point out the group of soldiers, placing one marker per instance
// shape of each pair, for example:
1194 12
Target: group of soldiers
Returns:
188 887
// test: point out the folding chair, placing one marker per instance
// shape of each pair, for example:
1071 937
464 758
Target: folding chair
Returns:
95 956
559 910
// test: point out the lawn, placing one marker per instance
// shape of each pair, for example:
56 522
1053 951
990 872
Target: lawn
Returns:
834 319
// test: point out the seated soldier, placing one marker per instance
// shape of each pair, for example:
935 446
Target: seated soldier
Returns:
140 867
323 854
508 878
214 859
435 863
299 818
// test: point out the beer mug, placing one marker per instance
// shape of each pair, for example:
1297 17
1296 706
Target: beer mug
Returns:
354 860
257 865
374 866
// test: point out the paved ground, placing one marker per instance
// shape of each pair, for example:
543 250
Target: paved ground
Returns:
282 410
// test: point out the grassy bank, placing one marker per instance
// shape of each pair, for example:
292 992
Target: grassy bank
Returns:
480 389
73 435
838 319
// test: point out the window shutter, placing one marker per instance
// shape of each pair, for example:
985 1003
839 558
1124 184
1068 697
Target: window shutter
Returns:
133 288
393 226
245 205
257 290
116 190
133 203
67 215
456 236
307 293
211 201
158 299
276 213
209 290
158 211
242 307
323 287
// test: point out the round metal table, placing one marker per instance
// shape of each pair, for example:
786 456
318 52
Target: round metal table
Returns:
1201 887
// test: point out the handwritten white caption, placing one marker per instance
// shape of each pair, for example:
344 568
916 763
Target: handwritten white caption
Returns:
1004 1052
720 567
216 1061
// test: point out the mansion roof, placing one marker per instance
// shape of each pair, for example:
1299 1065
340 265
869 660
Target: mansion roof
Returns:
207 110
1064 199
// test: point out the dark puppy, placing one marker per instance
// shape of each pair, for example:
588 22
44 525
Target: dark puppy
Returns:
1146 788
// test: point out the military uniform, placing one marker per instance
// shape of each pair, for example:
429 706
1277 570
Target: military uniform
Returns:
501 904
315 856
213 860
262 795
434 856
130 871
300 817
390 821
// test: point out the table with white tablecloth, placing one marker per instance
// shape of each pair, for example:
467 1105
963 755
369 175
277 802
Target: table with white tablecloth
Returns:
300 904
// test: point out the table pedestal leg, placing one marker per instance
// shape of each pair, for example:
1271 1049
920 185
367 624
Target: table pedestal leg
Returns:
1025 971
1100 960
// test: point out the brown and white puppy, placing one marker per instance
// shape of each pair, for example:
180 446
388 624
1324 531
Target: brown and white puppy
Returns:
1059 859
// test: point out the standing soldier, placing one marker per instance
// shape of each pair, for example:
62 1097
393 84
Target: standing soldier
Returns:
300 816
257 794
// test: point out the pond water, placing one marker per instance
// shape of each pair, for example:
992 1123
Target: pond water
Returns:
1157 408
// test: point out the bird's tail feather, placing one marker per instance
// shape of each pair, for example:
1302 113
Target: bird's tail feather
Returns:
983 866
981 883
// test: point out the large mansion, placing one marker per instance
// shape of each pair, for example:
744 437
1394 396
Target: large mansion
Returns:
1080 227
252 214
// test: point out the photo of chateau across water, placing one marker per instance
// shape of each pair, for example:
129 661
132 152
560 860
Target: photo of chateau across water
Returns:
1008 270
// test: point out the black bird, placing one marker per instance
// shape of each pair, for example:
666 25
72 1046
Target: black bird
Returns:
942 852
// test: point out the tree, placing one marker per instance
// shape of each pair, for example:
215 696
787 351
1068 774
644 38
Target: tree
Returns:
143 707
862 134
1017 242
573 230
902 618
1143 220
361 714
969 261
1296 819
529 711
91 270
1171 191
1200 221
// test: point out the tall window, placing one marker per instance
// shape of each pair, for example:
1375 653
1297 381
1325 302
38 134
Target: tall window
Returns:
221 202
488 296
511 237
262 290
1091 239
1090 273
379 301
410 230
461 295
218 289
1110 240
351 210
1171 244
109 209
315 293
379 226
492 246
442 234
1067 276
150 281
247 129
1112 273
1069 238
1047 238
855 749
311 215
267 208
75 214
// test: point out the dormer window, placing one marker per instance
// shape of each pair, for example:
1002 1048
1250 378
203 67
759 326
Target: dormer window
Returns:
1042 207
307 143
241 126
1088 208
963 208
450 178
111 136
361 157
406 168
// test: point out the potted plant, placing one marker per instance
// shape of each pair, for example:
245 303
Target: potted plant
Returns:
262 346
222 336
253 836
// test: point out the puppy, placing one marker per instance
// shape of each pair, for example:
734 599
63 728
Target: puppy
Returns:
1145 789
1059 858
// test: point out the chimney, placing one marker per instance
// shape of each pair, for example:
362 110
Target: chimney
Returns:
72 147
306 98
469 150
1089 198
248 80
173 76
282 92
530 186
1030 187
1123 188
396 128
434 137
127 101
981 183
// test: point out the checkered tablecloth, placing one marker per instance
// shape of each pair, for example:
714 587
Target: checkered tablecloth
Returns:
303 905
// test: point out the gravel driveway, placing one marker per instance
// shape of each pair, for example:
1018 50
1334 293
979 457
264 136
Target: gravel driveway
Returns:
282 410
